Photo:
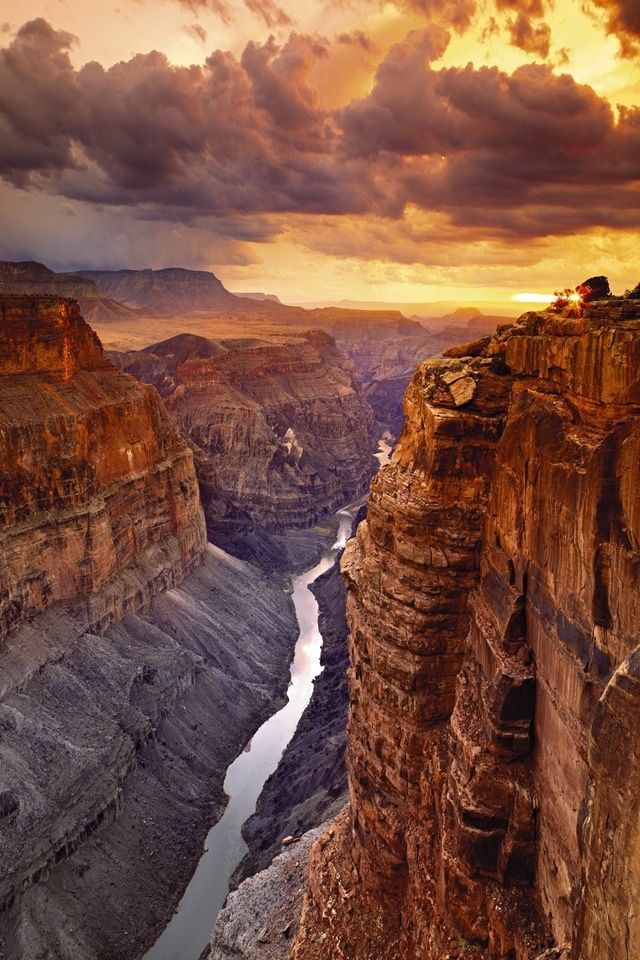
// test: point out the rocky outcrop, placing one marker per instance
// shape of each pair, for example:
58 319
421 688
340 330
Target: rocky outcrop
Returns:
259 920
493 607
280 427
124 639
98 494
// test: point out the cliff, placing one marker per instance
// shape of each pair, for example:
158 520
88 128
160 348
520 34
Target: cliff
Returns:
124 639
493 608
98 494
280 426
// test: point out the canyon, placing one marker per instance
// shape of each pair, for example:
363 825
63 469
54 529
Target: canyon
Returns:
281 431
158 507
493 611
134 309
135 659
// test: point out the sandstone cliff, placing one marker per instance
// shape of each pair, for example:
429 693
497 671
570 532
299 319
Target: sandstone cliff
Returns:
281 429
494 609
98 495
124 641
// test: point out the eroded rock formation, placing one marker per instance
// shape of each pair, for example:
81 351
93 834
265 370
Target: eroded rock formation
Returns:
124 643
98 494
494 609
281 429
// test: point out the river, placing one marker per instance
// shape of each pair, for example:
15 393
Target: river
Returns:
189 930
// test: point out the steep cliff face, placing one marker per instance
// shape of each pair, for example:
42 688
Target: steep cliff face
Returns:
493 607
124 640
281 429
98 494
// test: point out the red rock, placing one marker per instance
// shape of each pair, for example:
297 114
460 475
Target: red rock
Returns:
494 604
98 494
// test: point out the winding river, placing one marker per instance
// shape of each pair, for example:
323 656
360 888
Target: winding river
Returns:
189 930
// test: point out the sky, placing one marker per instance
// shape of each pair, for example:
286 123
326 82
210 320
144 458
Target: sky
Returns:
411 150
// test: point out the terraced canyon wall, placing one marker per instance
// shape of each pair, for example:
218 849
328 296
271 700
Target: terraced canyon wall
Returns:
493 607
124 642
281 428
98 494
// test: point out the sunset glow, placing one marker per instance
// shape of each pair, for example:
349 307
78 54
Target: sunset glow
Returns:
533 298
402 150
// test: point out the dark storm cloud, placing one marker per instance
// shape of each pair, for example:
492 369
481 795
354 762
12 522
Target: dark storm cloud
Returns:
525 154
532 39
531 153
623 20
220 138
40 104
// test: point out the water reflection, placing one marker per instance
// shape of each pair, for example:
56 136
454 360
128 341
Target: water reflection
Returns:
189 930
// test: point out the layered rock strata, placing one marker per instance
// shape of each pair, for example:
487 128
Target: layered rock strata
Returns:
124 642
493 607
34 279
281 429
98 493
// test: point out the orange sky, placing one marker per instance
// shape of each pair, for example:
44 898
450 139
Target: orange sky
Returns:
363 175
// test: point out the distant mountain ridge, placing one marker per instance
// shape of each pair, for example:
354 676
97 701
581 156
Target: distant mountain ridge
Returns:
259 296
175 290
31 277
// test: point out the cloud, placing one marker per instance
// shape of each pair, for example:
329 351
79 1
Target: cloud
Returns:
529 153
228 137
623 20
357 38
196 31
40 106
456 14
530 38
268 11
528 8
245 144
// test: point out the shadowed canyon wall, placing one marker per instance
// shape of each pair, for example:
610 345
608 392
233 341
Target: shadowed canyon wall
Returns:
494 608
281 429
124 643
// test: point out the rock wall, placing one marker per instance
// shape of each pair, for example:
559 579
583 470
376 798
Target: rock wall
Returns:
98 494
124 640
281 428
493 608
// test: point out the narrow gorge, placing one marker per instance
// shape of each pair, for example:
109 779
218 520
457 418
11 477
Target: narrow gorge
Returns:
137 659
